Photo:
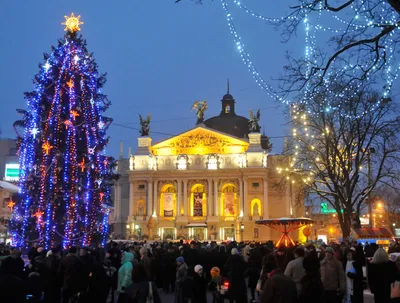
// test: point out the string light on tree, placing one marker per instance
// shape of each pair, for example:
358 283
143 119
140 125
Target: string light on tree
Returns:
10 204
55 185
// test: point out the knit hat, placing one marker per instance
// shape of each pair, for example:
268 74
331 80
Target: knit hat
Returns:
330 250
143 251
197 268
215 271
180 260
234 251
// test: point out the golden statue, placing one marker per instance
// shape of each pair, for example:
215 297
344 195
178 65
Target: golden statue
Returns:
150 226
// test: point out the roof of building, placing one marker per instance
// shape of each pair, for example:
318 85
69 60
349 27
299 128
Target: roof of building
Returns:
9 186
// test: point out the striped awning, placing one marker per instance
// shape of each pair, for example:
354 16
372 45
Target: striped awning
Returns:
372 233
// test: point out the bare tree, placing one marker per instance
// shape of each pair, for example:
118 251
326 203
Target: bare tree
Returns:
342 155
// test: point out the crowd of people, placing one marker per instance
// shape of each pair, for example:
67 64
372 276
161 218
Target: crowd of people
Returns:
234 272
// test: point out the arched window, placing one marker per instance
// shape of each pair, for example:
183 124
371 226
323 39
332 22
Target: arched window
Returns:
256 207
227 109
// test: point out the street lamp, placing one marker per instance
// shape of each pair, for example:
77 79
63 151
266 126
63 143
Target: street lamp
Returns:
241 231
394 224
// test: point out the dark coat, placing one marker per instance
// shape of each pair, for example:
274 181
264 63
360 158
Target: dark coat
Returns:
73 273
279 289
235 269
312 289
380 276
358 289
199 289
138 292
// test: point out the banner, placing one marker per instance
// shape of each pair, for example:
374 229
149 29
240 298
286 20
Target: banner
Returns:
198 205
168 204
229 206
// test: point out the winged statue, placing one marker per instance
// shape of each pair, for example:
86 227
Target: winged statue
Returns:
144 125
200 107
254 126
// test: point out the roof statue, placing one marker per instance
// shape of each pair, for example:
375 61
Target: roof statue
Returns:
144 126
254 126
200 107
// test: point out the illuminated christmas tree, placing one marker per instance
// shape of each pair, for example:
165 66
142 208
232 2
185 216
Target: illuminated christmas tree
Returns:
65 176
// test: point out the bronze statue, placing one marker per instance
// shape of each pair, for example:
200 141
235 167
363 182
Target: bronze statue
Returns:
200 107
144 125
254 127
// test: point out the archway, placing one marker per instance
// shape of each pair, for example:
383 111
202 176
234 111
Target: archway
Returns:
229 200
168 201
198 201
256 207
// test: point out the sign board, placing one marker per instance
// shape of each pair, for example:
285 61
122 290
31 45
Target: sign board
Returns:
364 221
397 232
12 172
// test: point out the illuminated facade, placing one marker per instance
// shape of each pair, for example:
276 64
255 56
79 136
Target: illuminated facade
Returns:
202 184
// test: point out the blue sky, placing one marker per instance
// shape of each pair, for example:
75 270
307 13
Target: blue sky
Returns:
159 56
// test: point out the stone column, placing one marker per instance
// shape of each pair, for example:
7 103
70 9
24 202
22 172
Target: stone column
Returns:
265 209
241 196
149 208
185 198
118 215
209 199
245 199
155 198
179 199
131 200
216 206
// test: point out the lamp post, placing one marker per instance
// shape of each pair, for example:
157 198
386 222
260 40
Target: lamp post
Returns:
241 231
128 231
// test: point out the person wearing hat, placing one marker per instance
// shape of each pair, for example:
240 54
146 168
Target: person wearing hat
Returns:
234 270
312 289
278 287
333 278
181 275
199 294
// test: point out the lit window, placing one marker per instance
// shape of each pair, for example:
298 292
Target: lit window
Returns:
182 162
227 109
212 162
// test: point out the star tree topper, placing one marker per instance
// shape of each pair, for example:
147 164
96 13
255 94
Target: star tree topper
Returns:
72 23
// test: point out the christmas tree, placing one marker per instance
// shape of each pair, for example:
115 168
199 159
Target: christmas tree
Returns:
65 176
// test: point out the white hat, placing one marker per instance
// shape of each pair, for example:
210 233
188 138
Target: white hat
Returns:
180 247
197 268
234 251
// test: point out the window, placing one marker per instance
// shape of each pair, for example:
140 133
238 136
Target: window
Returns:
212 162
227 109
141 187
182 162
255 184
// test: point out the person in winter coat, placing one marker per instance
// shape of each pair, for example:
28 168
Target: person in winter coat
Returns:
146 261
354 275
332 275
278 288
234 269
253 270
312 289
181 276
199 294
12 288
295 269
52 290
141 288
125 272
381 273
72 272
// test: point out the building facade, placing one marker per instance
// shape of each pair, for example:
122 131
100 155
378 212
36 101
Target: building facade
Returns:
203 184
